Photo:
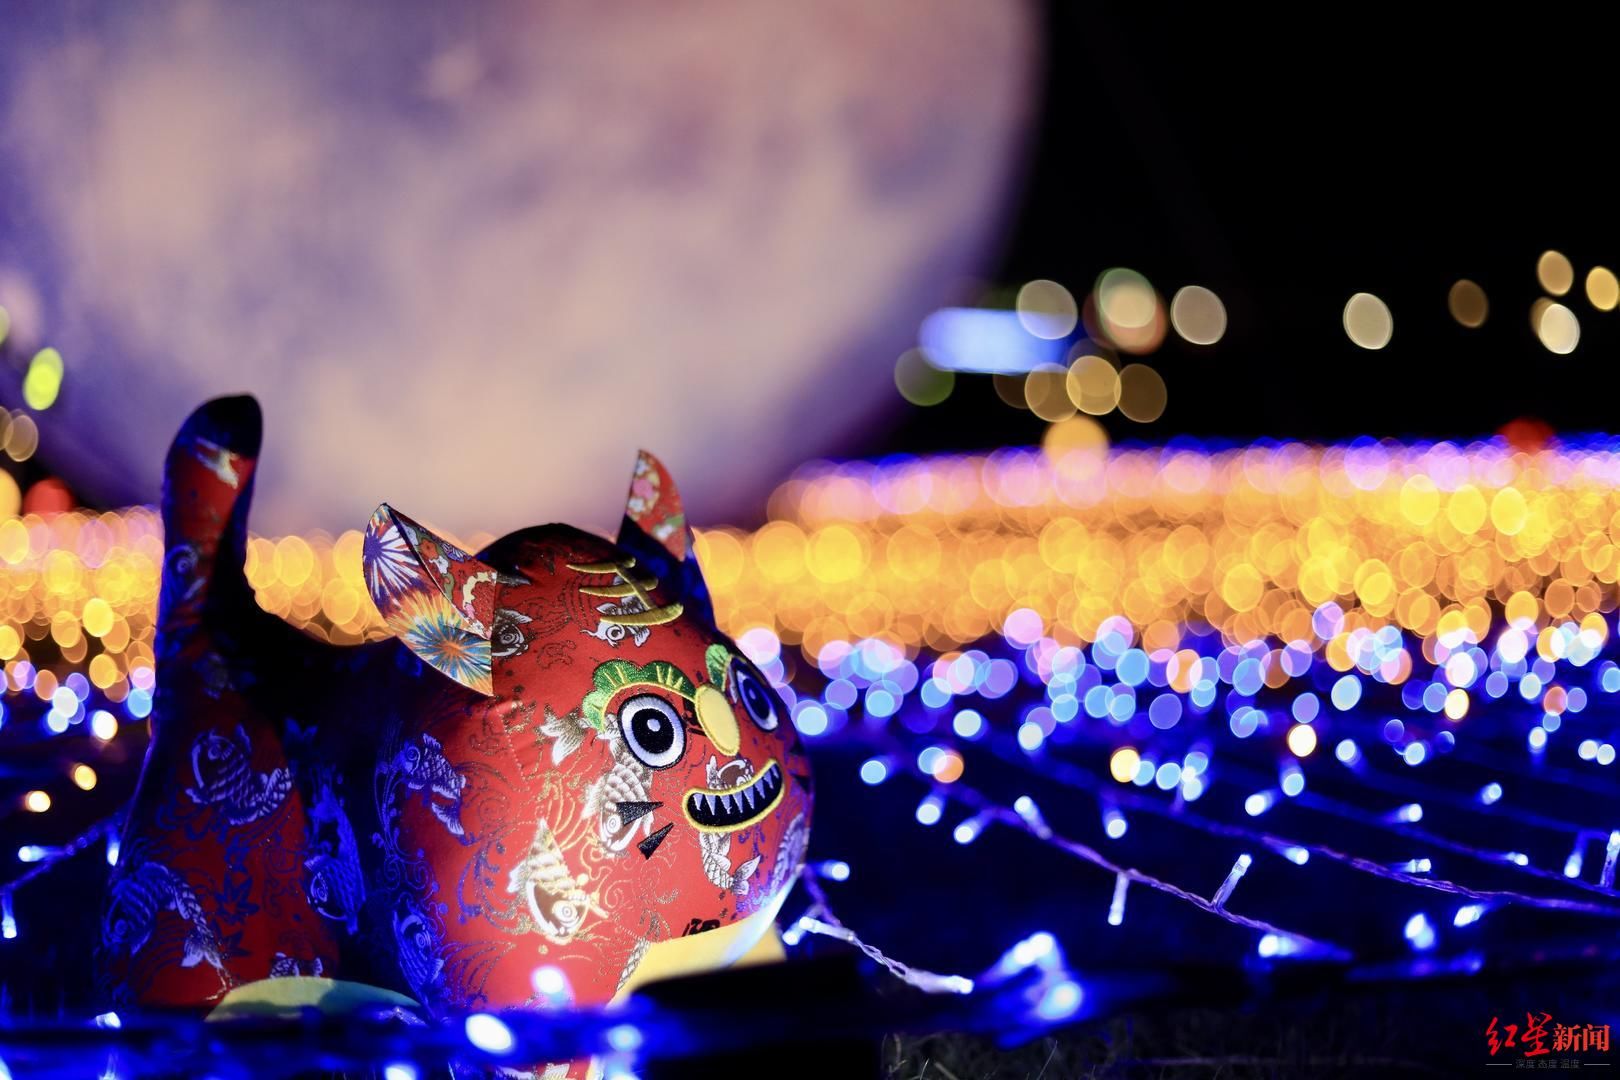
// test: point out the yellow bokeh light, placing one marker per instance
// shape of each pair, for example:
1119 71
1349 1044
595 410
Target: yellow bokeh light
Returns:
1467 303
779 551
1457 704
45 685
934 553
1419 500
1301 740
43 380
1198 315
1508 511
1521 610
721 555
97 616
1125 299
10 496
1466 509
1602 288
1010 389
1595 624
103 671
14 541
1557 327
1093 385
1076 434
1130 311
1242 587
835 554
1554 272
340 601
1142 393
37 801
1367 321
1046 309
116 639
22 437
84 777
294 561
1123 763
1046 392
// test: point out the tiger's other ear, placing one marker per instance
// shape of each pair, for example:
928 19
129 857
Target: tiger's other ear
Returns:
655 531
655 506
436 598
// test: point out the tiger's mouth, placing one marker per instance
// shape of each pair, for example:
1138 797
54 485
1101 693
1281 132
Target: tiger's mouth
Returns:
728 809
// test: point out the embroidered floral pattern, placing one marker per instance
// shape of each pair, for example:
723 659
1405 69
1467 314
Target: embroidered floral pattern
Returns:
391 568
508 638
225 778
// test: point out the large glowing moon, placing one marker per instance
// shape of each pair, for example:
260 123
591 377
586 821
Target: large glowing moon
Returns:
470 257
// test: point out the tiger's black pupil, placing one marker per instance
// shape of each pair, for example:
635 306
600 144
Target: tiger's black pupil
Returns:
754 697
653 731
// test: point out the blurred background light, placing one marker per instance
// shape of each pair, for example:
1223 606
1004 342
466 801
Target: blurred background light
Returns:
1467 303
919 381
1558 328
1602 288
1047 310
1554 272
1367 321
1046 393
1093 385
1198 315
1129 310
1142 393
984 341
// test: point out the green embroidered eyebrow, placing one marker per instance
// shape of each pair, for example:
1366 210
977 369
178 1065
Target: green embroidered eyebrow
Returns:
717 658
616 675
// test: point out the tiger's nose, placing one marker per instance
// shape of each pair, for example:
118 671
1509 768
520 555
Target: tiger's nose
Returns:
719 723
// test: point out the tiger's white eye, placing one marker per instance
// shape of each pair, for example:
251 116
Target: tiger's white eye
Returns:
652 730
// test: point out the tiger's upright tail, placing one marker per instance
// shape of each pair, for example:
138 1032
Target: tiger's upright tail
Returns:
207 489
210 890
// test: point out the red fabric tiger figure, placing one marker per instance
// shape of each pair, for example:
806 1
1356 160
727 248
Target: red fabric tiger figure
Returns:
558 761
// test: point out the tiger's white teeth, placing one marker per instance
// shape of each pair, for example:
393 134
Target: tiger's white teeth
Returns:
738 805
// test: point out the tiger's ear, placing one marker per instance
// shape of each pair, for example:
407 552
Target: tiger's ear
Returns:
436 598
655 531
654 505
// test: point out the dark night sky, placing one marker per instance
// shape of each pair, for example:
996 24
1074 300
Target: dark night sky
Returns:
1288 166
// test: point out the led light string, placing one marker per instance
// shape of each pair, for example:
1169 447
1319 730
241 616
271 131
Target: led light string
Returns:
1074 776
1026 817
818 918
45 859
1391 784
1402 822
1291 849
